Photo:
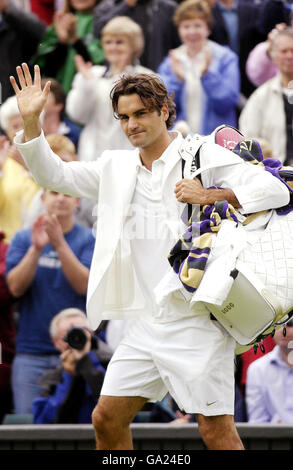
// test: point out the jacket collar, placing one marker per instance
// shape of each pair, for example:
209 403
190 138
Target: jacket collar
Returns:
170 157
276 84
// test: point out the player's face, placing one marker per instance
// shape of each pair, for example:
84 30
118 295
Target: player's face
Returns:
141 125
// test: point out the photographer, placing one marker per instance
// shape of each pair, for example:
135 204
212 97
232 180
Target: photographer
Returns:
71 390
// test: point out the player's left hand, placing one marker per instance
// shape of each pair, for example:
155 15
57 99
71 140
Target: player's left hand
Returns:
190 191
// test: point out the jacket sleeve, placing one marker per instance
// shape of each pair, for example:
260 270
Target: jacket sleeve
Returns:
45 409
259 67
93 376
222 83
80 102
255 188
77 179
51 54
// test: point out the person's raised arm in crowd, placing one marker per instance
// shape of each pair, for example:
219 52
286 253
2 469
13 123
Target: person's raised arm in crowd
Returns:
71 33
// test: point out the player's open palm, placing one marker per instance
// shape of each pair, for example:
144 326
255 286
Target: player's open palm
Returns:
30 96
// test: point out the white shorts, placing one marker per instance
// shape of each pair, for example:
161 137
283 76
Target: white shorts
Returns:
192 358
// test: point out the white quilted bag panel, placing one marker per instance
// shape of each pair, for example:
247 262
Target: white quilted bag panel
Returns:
271 258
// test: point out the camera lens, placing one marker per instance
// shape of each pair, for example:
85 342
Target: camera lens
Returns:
76 338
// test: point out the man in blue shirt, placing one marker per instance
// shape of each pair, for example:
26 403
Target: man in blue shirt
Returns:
269 382
47 270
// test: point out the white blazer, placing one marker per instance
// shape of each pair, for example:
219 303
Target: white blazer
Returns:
113 292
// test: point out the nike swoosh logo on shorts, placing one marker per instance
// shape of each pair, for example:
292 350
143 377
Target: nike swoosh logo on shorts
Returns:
211 403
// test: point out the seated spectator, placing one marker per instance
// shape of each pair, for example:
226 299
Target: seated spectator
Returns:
71 390
47 270
89 104
7 336
269 110
203 75
17 187
260 66
269 384
20 35
54 120
155 20
71 33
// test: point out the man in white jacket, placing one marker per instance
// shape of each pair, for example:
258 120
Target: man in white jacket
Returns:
170 347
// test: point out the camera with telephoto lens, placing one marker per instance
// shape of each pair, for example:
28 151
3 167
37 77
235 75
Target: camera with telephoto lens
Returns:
77 338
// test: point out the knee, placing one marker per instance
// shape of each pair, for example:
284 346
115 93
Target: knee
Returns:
206 428
96 418
219 432
101 420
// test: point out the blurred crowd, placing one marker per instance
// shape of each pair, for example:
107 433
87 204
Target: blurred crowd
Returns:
225 62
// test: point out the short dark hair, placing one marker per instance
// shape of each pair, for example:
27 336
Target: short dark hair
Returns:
151 91
57 90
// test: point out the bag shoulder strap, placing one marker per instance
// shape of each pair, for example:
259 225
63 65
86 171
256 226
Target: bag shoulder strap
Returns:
196 162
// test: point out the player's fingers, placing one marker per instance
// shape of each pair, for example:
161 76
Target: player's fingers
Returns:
20 76
27 74
14 85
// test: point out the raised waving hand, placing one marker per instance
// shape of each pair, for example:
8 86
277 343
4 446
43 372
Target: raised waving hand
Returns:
31 98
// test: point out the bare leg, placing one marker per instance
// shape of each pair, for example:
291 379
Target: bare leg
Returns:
111 420
219 432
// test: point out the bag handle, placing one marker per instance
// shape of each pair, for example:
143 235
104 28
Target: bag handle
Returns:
195 161
214 165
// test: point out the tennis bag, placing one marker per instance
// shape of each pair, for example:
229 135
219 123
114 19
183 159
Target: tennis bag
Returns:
261 297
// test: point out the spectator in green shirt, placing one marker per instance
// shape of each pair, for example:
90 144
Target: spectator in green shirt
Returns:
71 33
